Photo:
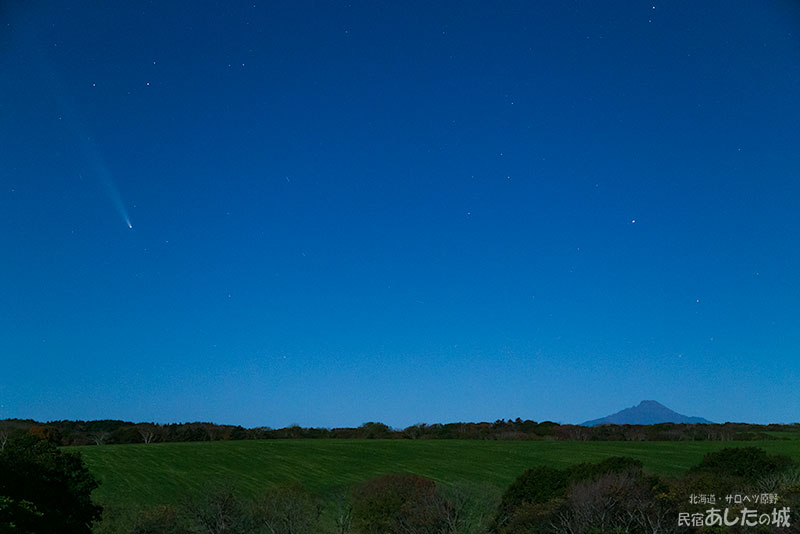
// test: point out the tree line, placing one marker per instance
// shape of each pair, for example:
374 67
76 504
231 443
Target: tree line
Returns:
108 431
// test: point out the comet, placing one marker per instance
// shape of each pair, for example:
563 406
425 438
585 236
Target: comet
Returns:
100 170
113 194
92 153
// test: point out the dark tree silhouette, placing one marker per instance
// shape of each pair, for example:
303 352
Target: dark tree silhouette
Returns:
43 490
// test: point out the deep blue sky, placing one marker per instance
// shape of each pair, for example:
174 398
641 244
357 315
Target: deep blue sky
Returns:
404 212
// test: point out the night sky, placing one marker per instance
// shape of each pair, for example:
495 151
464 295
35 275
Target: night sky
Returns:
329 213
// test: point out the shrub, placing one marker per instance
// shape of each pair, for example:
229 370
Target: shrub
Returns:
540 484
218 510
614 502
748 463
532 517
785 481
398 503
470 507
287 510
159 520
536 485
538 497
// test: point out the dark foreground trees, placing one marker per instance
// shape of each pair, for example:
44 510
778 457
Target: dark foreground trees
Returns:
614 495
744 463
222 510
398 504
617 496
43 490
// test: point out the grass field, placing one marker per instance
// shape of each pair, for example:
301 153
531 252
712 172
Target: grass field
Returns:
162 473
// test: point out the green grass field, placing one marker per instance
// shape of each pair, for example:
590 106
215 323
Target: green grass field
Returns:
162 473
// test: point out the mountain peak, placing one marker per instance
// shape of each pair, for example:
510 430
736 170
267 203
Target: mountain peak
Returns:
647 412
651 405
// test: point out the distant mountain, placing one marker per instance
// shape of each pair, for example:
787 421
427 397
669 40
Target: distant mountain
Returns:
648 412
